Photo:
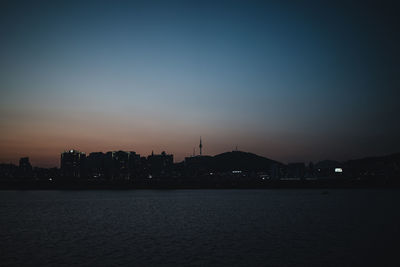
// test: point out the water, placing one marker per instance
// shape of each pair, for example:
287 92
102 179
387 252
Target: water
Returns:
200 228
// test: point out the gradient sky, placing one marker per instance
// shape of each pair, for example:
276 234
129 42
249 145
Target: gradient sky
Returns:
290 81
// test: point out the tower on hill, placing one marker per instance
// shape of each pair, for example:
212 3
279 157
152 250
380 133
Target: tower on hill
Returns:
200 146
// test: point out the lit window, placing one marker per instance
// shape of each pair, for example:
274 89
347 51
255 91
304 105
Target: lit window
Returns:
339 170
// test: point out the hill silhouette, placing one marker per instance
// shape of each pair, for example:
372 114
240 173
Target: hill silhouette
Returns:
328 164
244 161
385 165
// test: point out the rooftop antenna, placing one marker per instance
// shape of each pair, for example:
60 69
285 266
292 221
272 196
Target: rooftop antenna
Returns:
200 146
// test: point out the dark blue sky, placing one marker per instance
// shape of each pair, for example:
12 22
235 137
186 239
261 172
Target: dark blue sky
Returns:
290 81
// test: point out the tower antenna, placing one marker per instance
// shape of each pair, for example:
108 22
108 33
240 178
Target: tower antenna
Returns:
200 146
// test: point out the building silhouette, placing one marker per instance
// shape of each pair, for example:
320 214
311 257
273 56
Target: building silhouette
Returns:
122 165
235 168
113 165
73 164
8 171
296 170
160 165
24 168
96 165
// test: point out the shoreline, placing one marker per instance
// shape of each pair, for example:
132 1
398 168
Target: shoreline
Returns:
176 185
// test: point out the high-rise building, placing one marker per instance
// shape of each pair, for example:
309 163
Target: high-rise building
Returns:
73 164
24 165
121 165
96 165
160 165
24 168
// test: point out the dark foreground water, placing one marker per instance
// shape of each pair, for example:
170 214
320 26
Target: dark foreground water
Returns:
200 227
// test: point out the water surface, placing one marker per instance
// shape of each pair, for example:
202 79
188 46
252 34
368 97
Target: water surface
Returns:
200 228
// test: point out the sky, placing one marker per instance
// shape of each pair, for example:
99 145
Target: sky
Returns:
289 80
